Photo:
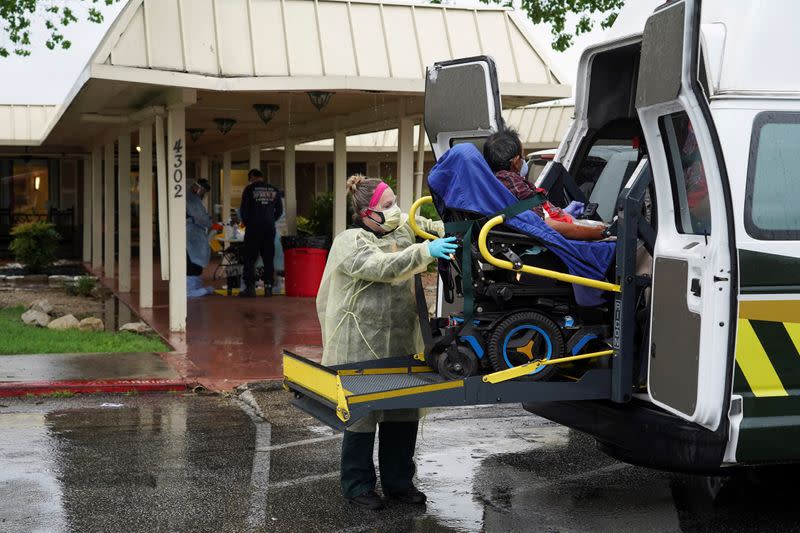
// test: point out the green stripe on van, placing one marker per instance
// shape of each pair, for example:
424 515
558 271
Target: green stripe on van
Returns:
761 273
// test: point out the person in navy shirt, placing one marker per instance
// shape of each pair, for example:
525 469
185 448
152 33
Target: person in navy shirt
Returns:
261 207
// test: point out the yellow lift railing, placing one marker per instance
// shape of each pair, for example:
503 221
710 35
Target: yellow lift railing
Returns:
412 219
529 368
536 271
502 263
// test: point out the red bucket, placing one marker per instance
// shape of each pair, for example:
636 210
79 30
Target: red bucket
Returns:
303 268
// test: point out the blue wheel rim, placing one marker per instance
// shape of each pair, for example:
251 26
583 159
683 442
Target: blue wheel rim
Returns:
538 330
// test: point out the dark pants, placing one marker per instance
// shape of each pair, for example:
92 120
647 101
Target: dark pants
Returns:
396 443
258 241
193 269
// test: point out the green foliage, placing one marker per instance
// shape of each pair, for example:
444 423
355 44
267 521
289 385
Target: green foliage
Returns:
306 226
17 16
321 220
83 287
34 244
428 211
17 338
554 12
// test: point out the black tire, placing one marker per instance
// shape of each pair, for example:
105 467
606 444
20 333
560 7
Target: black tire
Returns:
531 330
458 363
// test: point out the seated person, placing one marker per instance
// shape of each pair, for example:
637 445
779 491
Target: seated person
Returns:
503 153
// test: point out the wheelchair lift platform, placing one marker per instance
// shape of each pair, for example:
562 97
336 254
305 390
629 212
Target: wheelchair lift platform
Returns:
340 395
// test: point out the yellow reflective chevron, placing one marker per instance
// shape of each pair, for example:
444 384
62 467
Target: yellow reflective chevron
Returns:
793 330
755 364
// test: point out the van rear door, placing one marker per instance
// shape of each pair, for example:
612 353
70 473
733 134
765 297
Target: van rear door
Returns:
462 102
694 273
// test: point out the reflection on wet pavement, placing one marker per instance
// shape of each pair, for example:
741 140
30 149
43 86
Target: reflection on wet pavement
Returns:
183 462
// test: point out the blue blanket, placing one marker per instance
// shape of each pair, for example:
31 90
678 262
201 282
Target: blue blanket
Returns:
463 180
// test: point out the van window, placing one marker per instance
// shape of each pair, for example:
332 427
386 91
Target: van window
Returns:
687 174
772 205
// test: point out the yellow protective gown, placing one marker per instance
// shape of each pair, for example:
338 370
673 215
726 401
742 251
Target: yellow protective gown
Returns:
366 302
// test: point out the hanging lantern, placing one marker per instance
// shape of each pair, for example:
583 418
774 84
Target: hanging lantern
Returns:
266 111
319 99
224 125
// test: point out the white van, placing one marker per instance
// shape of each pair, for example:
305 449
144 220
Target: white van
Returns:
710 99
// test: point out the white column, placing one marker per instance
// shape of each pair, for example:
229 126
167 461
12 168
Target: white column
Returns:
146 217
124 210
255 157
290 187
226 187
419 173
176 170
109 181
204 173
339 181
405 163
87 209
97 207
163 204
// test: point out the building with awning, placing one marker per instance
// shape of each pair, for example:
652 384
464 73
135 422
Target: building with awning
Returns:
180 90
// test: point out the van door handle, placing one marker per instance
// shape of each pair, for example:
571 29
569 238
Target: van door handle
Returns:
695 287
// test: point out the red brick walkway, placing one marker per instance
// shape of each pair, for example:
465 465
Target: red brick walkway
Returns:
230 340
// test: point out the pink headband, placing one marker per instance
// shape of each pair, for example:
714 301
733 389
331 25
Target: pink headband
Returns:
376 196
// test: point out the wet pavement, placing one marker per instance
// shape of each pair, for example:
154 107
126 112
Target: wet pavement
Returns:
231 340
208 463
85 367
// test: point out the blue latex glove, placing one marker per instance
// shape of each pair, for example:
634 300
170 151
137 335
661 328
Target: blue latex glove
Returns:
575 209
442 248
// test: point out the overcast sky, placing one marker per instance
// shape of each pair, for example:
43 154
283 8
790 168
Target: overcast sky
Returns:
46 76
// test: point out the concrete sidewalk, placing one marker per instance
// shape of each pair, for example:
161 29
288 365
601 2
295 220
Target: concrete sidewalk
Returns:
229 340
83 373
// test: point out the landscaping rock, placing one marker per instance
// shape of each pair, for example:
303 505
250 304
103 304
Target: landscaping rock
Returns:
136 327
42 305
36 279
64 323
91 324
60 281
33 317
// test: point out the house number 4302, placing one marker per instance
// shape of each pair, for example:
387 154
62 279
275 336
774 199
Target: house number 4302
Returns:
177 171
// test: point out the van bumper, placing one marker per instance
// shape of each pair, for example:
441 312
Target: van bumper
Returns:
641 434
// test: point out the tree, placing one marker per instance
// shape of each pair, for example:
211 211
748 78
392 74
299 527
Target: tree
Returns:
18 15
554 12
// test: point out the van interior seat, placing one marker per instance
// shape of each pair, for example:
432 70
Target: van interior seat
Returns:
609 183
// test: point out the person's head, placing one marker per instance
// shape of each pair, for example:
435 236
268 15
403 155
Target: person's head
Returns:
255 175
503 151
201 187
374 203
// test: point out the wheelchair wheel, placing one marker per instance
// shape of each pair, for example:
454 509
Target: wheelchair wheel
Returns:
457 362
524 337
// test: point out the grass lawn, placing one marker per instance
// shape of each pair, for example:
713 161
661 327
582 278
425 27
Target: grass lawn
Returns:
17 338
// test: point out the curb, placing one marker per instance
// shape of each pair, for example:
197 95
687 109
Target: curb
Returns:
91 386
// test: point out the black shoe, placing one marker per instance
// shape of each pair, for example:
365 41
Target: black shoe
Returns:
267 291
248 293
412 495
368 500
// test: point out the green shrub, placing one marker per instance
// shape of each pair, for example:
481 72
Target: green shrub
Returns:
34 244
84 287
306 226
320 221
